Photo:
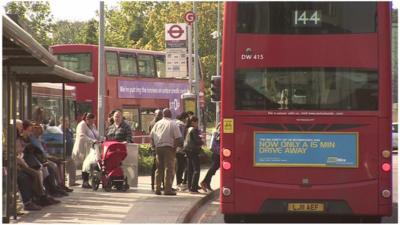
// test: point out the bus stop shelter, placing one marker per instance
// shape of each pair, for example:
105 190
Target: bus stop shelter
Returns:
25 61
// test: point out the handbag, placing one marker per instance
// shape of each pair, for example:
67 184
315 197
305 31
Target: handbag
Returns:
91 158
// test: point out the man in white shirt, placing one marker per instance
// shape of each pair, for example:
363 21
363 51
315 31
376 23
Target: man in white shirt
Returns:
165 137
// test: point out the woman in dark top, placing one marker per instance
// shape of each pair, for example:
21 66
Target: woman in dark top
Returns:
119 130
192 147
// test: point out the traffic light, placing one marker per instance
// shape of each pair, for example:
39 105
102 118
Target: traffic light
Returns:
215 88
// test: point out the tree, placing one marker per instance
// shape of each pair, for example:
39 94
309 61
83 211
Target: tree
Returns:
90 33
141 25
37 15
65 32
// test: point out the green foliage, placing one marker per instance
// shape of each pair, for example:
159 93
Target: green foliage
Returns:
65 32
90 33
36 15
146 159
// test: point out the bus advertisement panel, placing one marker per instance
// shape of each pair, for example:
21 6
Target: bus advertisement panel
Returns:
306 110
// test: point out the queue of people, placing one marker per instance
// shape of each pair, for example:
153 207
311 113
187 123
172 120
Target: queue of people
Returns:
176 143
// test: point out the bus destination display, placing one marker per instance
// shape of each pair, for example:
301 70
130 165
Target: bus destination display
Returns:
307 18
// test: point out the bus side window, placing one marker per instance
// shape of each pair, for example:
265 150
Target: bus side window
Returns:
160 65
112 63
128 64
146 65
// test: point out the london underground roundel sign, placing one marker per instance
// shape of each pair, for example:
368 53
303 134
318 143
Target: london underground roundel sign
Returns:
176 31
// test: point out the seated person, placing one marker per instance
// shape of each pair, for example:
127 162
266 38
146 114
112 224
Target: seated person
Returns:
56 165
36 195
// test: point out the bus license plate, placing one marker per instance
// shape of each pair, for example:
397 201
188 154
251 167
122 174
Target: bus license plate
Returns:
306 207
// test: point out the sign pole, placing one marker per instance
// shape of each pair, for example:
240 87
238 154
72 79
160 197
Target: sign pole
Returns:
190 57
217 104
101 83
196 68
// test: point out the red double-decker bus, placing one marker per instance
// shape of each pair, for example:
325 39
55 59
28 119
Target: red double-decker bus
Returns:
306 110
135 82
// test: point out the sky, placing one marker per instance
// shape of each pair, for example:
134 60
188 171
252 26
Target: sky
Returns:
68 10
84 10
73 10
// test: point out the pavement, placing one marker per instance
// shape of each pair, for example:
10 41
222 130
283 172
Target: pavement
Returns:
137 205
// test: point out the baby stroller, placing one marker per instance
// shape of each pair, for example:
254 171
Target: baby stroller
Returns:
108 171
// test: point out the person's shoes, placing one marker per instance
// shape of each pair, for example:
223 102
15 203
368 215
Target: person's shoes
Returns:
209 188
194 192
86 185
203 186
62 191
170 193
32 207
65 188
53 201
182 187
158 192
74 184
45 201
57 195
173 189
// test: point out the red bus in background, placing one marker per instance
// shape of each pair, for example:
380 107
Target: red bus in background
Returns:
135 81
306 110
48 97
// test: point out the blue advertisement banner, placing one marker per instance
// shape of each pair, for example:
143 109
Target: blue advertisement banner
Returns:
306 149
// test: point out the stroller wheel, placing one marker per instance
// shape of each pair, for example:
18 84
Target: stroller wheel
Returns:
120 186
107 186
126 185
95 183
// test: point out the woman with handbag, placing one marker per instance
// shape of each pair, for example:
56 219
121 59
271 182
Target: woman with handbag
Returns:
192 147
86 135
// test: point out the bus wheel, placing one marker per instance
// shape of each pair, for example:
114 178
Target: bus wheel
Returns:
232 218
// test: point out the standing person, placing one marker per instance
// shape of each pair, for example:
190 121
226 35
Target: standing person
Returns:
86 135
192 146
70 166
206 183
165 136
157 117
110 120
119 130
181 160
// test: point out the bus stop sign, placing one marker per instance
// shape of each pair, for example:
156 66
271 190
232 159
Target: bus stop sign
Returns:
190 17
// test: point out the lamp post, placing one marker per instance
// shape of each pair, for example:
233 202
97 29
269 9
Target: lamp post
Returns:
217 35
